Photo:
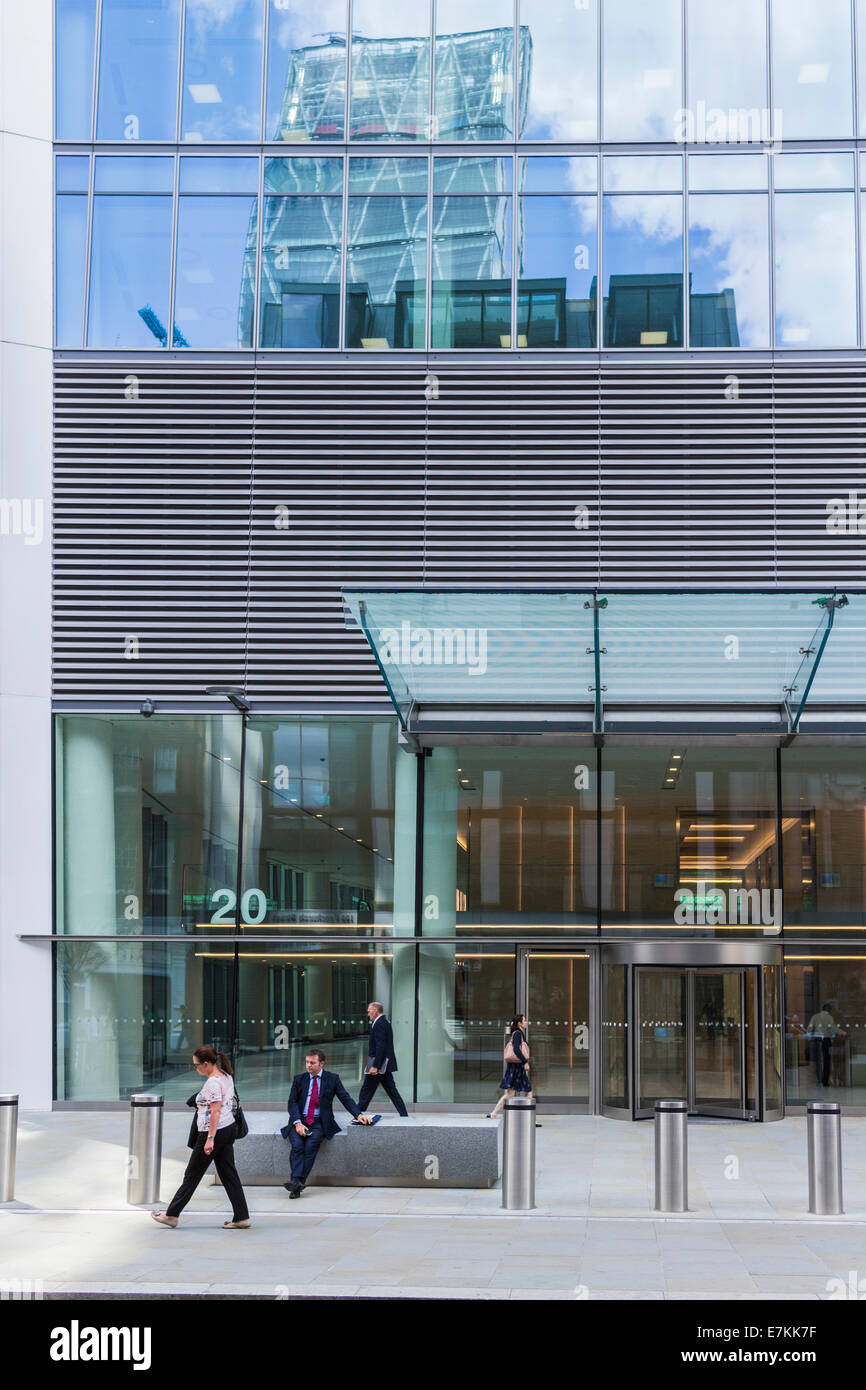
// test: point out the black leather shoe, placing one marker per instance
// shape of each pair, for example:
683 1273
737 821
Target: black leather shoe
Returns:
293 1186
295 1192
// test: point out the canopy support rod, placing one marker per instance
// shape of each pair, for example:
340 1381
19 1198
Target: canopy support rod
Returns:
409 736
829 605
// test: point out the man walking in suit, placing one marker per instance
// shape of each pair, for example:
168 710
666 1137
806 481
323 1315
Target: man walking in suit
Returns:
311 1116
382 1063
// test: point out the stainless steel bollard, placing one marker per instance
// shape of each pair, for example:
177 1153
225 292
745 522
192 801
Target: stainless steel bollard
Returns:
672 1155
8 1141
145 1149
518 1155
824 1137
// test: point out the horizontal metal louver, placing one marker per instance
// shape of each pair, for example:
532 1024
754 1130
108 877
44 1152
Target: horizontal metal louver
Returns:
213 511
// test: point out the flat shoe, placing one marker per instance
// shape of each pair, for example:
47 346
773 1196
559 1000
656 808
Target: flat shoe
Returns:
236 1225
164 1220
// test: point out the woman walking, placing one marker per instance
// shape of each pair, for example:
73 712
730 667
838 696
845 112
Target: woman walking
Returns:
211 1137
516 1079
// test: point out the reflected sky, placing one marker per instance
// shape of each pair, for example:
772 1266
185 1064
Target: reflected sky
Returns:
222 72
561 96
643 240
727 55
815 270
138 53
213 235
129 268
729 250
642 69
71 234
75 40
812 67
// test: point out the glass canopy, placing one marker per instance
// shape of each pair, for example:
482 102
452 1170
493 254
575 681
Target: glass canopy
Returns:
638 649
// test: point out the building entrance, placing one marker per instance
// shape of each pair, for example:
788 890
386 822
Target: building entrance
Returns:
696 1036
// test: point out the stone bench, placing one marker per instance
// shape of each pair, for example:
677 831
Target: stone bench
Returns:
422 1151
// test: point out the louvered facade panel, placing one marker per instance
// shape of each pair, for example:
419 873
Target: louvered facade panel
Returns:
213 511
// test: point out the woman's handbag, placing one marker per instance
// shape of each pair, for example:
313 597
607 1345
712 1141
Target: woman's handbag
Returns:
511 1055
242 1129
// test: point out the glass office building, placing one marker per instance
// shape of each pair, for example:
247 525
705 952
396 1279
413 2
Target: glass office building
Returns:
474 393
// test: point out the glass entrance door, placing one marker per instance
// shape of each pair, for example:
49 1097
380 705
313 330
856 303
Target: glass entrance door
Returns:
696 1040
558 1014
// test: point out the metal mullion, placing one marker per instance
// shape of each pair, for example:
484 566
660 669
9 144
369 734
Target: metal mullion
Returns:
599 242
344 251
771 212
264 87
431 123
169 340
257 287
350 20
94 96
690 1042
599 102
514 176
87 249
687 314
858 231
181 39
515 76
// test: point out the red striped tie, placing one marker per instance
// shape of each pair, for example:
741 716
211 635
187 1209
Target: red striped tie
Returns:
314 1100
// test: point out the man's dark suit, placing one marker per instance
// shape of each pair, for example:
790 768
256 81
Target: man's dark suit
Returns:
383 1059
305 1148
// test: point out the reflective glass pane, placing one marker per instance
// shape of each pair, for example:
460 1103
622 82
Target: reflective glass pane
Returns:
215 277
465 1002
137 97
472 174
310 175
133 173
129 271
387 175
474 70
556 174
645 173
661 1004
812 68
390 92
199 174
727 71
386 272
614 1036
557 1015
300 291
72 173
815 270
642 69
823 819
306 70
556 305
472 272
860 21
711 172
825 1026
824 170
643 251
558 51
222 72
74 41
71 235
729 267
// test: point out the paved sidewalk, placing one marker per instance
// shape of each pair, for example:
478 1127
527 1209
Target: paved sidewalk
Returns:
593 1235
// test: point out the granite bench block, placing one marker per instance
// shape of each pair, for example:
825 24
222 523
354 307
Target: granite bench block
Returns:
422 1151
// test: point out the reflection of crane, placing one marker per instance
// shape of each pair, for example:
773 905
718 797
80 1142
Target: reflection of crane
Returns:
152 320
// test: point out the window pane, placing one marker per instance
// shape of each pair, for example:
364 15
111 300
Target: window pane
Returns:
133 173
641 173
301 272
306 70
465 1002
727 71
814 171
478 174
554 174
216 263
75 28
72 173
812 68
860 21
643 260
215 175
138 70
559 66
708 830
557 267
71 254
815 231
129 271
474 69
729 265
823 810
642 69
471 272
710 172
825 1026
386 272
222 73
390 71
388 176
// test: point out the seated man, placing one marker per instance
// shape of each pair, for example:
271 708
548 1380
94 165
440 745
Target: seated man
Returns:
311 1116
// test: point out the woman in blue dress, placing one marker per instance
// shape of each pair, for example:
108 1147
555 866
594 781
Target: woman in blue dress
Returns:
516 1079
